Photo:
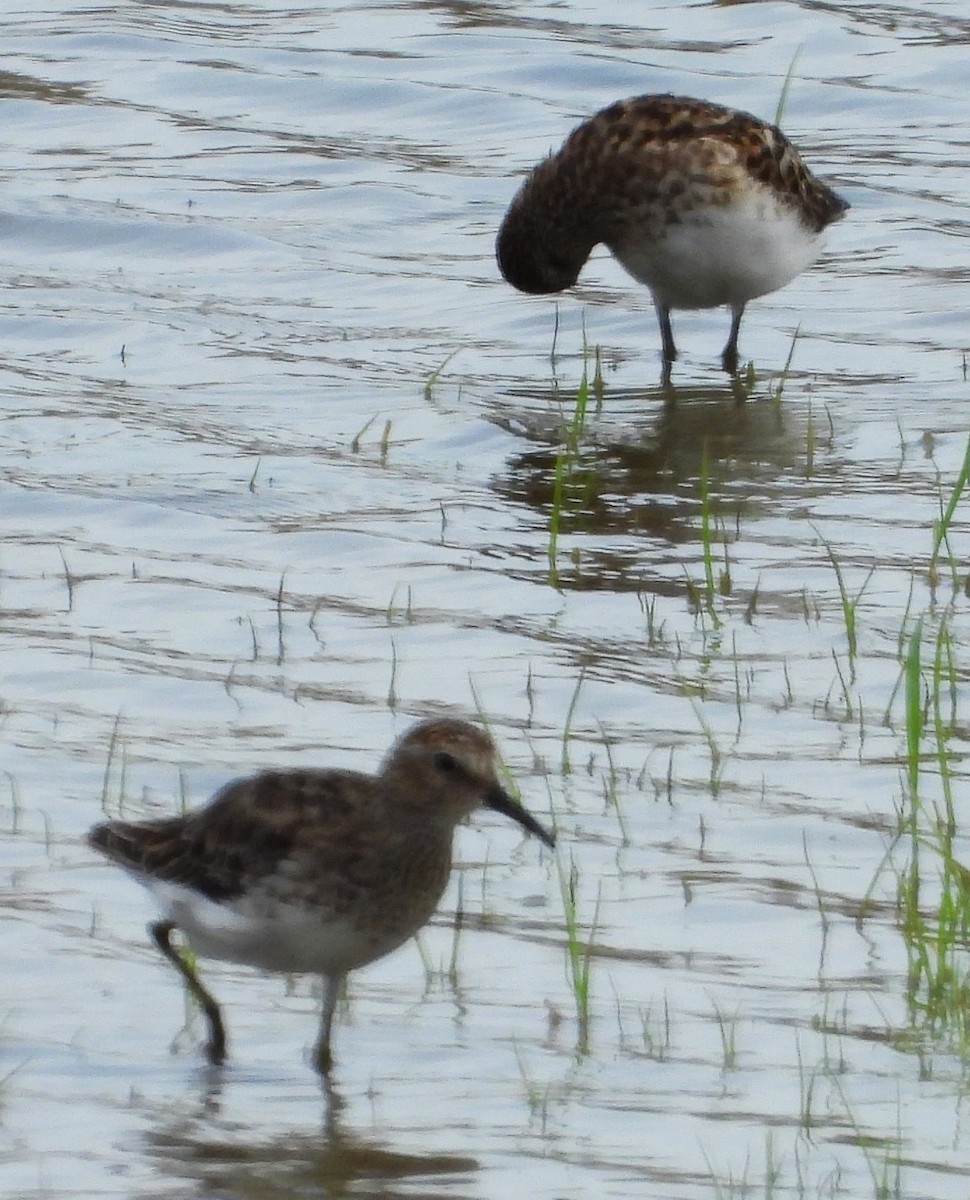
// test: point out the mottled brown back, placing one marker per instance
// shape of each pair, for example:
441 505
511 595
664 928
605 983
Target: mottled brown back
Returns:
626 130
246 830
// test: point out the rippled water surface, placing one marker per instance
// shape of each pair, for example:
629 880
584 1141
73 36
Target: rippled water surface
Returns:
279 453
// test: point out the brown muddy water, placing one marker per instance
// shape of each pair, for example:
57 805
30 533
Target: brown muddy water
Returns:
246 520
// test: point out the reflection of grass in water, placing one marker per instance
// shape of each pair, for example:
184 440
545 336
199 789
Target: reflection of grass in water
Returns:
566 459
395 613
702 598
786 1175
537 1097
656 1032
717 758
850 603
564 491
727 1028
707 552
777 391
883 1155
445 971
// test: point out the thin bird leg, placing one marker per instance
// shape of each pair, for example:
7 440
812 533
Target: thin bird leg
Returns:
322 1058
729 359
161 932
669 350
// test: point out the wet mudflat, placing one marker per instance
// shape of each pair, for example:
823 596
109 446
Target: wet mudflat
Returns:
280 458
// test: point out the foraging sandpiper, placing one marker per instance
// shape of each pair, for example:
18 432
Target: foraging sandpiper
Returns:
314 871
705 205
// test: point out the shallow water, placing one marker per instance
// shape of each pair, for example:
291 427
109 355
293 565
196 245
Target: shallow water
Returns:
243 523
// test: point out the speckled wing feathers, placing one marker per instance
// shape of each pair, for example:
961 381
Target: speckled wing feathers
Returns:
639 141
245 832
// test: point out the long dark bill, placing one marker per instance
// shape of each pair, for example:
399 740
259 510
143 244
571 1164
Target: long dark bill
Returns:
499 800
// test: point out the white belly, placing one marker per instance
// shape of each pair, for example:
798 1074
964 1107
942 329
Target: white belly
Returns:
266 933
722 254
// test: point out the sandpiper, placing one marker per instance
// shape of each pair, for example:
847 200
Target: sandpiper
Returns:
314 871
705 205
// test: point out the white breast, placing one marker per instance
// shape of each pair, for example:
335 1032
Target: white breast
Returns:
722 254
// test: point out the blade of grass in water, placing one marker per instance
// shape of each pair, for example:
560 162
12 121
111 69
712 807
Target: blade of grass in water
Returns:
941 528
786 87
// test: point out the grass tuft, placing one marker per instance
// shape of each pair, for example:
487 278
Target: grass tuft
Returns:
436 374
786 86
564 490
579 953
941 528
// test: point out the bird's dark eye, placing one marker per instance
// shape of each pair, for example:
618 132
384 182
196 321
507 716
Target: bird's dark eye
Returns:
446 763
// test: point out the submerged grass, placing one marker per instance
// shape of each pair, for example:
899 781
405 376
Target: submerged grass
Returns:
707 551
537 1097
933 885
850 603
702 599
568 459
778 390
579 951
567 731
435 375
116 755
941 528
933 882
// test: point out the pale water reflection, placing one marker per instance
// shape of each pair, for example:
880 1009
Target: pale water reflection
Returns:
208 1154
278 458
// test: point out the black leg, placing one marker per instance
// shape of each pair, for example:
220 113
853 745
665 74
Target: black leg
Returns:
729 359
322 1057
161 932
668 349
